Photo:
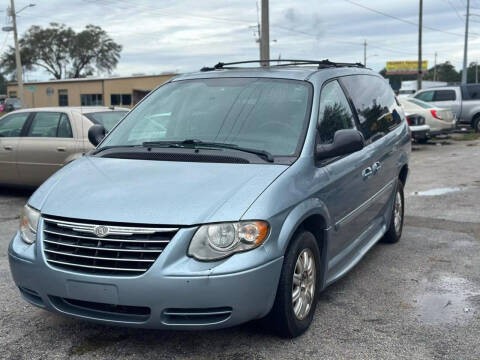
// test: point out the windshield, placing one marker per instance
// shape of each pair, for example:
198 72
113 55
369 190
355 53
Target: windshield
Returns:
262 114
14 102
106 118
421 103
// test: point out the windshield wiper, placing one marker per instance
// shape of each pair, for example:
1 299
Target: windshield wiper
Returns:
195 143
99 150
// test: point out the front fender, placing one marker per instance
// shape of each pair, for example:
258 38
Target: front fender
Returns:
294 220
297 215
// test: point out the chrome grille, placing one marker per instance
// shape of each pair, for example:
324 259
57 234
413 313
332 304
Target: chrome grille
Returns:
103 249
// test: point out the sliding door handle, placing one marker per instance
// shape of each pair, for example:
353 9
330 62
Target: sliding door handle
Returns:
366 173
62 149
8 147
376 167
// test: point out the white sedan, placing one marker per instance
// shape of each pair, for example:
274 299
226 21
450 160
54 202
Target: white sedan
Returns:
440 120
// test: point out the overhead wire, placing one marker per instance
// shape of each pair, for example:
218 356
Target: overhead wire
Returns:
406 21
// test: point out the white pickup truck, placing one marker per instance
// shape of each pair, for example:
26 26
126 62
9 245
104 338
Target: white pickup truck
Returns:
463 100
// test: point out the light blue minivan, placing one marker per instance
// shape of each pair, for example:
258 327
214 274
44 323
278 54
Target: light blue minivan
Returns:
231 194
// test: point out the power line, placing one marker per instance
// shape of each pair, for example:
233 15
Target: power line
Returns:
449 2
401 20
166 12
163 11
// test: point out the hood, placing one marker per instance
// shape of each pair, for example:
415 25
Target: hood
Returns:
153 192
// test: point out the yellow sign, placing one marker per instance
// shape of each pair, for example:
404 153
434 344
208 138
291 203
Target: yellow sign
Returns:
405 67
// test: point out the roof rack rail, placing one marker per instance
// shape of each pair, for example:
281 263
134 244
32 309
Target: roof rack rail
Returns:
286 62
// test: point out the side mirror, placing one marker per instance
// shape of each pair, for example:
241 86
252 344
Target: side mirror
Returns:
96 134
345 142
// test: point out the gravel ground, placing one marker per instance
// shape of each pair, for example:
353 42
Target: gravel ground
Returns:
418 299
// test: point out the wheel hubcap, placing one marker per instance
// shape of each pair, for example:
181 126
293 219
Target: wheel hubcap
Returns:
398 212
303 288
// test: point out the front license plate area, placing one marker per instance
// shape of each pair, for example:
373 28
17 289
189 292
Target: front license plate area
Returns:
94 292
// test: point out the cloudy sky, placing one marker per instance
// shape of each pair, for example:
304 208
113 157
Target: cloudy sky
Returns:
184 35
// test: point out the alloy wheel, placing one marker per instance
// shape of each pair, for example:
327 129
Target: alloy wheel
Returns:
398 212
303 288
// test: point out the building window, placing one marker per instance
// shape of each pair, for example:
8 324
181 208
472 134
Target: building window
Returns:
121 99
114 99
62 97
91 99
127 99
12 94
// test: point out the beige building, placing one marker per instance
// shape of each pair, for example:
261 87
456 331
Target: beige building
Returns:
114 91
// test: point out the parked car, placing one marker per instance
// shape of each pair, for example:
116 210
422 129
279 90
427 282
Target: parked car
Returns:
463 100
2 103
419 130
267 185
409 87
439 120
34 143
11 104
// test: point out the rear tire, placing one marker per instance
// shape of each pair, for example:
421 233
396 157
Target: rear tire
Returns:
394 232
476 124
297 292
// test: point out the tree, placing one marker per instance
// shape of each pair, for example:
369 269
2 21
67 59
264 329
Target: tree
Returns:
445 72
62 52
3 85
396 80
471 73
93 46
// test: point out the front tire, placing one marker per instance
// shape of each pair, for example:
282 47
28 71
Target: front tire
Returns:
394 232
297 292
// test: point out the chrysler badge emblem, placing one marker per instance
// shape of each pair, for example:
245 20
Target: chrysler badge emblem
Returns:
101 230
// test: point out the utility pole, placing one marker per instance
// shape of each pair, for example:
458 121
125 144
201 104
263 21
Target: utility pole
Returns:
435 68
264 35
465 48
18 61
476 72
419 75
365 53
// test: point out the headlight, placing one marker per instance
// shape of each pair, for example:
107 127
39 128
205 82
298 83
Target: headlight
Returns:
28 224
217 241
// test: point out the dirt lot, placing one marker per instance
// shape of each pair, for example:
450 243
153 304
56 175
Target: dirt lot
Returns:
418 299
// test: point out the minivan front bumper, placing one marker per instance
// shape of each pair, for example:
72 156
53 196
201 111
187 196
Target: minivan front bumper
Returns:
194 297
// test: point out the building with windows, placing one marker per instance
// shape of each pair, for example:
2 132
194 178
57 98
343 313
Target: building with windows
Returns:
113 91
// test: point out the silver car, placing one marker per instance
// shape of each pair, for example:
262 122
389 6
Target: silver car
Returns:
35 143
462 100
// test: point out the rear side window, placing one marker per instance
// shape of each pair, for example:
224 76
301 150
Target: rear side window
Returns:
11 125
425 96
444 95
335 112
50 124
420 103
375 104
473 92
106 118
64 127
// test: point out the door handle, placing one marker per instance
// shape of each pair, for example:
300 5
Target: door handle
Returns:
366 173
7 147
376 167
60 148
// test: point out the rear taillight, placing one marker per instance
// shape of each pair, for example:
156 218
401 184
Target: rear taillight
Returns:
435 115
415 120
